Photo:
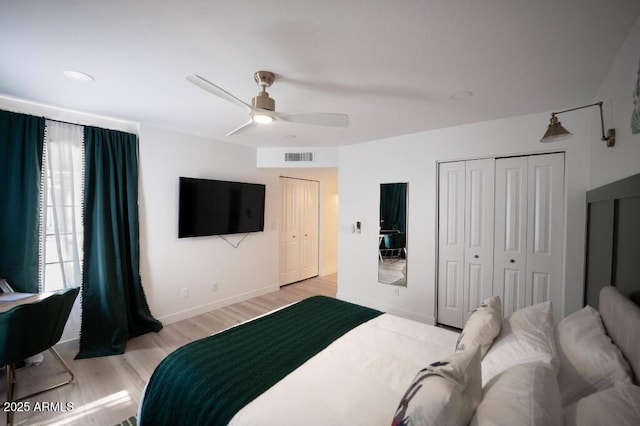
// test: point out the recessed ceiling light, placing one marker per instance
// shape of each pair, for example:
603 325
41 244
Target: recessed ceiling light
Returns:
78 76
462 95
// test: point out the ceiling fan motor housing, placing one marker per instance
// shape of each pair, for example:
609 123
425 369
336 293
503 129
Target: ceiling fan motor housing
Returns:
263 101
264 80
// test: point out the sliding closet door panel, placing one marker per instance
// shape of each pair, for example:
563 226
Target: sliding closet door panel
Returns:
478 252
451 240
510 232
309 229
545 229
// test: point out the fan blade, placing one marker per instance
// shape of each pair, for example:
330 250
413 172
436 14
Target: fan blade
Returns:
318 118
218 91
244 126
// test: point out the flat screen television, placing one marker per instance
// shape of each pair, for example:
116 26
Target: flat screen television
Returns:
217 207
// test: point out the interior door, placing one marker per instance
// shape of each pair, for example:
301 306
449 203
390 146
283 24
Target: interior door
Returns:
510 260
479 216
309 229
451 242
299 229
289 252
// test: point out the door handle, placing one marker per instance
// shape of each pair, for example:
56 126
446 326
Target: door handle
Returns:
512 261
475 256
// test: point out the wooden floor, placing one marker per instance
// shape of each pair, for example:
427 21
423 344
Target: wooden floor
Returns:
107 390
391 270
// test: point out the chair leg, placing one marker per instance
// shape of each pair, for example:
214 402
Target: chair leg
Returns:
11 382
67 369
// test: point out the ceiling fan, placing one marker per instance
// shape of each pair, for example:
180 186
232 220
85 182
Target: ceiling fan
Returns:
262 108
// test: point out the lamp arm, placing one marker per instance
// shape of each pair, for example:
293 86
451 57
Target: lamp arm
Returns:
604 138
611 138
580 107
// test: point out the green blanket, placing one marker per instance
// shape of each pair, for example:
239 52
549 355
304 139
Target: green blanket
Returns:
208 381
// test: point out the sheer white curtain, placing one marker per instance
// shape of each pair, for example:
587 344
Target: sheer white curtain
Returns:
62 214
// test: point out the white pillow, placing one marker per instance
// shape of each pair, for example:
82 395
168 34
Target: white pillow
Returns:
526 394
589 361
482 327
619 405
446 392
528 335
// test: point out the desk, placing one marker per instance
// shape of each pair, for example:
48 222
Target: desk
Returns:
11 300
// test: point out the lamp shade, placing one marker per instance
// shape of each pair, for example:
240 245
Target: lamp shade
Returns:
555 132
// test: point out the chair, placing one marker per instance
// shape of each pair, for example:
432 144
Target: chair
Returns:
395 245
31 328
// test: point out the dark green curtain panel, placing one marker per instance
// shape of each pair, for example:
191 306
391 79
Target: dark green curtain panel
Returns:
21 142
393 206
114 307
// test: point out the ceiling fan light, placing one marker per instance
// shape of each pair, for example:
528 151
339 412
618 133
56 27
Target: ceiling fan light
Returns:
555 132
262 118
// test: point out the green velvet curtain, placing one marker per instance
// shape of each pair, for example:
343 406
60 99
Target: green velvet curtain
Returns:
21 144
114 307
393 206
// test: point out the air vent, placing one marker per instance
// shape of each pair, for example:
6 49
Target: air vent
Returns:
298 156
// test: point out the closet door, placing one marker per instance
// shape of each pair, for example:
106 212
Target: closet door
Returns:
545 229
308 229
451 240
289 252
510 259
299 231
529 231
478 240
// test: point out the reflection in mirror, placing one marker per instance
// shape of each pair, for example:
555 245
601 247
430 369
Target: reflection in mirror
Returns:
392 238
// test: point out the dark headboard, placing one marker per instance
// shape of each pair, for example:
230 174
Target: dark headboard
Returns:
613 239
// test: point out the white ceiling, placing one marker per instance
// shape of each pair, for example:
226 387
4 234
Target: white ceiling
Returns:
391 65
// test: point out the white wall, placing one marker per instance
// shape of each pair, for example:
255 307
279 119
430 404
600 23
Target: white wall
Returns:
611 164
413 159
169 264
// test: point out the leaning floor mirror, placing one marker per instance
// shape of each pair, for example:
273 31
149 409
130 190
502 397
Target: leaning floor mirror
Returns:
392 237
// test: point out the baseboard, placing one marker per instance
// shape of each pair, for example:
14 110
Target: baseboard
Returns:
388 309
328 271
198 310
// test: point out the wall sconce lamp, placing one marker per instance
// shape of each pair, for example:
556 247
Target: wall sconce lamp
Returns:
555 132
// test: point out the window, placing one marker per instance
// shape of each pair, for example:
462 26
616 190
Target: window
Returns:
61 216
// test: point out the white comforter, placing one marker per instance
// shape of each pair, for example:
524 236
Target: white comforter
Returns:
357 380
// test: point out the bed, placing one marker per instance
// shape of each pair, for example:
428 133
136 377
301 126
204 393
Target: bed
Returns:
354 378
339 363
